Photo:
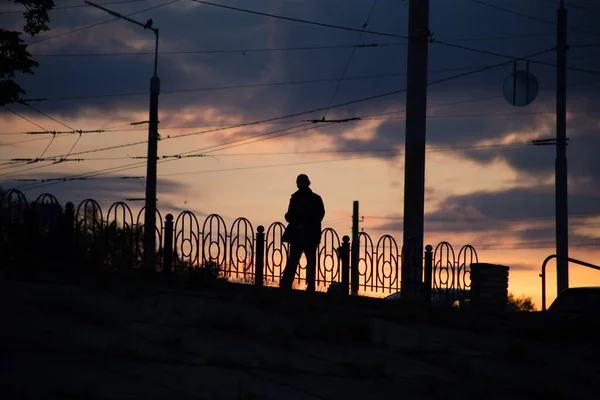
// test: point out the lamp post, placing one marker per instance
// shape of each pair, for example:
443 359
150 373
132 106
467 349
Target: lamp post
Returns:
150 206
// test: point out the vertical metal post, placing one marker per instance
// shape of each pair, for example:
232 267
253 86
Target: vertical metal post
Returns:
414 164
168 245
428 275
260 256
355 251
150 213
68 234
344 254
561 187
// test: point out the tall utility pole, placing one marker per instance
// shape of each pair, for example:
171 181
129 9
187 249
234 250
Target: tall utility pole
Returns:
150 206
414 162
561 187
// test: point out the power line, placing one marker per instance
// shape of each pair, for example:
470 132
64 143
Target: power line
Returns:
123 168
262 154
393 153
320 80
255 85
303 21
513 58
304 112
262 137
359 100
115 130
374 97
21 141
364 118
339 81
292 48
100 23
486 115
25 118
47 116
531 17
71 7
231 51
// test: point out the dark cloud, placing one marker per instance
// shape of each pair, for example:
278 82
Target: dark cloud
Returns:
526 215
205 27
187 27
583 163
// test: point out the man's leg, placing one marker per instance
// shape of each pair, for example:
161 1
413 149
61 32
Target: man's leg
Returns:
291 265
310 250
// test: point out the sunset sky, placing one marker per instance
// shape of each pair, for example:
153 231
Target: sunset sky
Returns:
486 185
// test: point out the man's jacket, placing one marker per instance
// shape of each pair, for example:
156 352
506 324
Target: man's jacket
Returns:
304 215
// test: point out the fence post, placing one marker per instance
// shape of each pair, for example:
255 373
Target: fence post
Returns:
344 254
428 275
67 233
260 256
168 245
355 250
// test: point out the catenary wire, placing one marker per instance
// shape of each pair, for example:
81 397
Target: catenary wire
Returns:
25 118
230 51
291 48
135 165
349 61
77 6
302 113
99 23
254 85
531 17
303 21
492 53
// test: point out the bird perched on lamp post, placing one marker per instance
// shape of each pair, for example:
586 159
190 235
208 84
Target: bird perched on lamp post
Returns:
148 24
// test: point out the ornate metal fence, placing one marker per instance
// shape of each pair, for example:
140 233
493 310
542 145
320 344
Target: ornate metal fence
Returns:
42 231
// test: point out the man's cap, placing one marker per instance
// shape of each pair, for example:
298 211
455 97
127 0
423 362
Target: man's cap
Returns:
302 180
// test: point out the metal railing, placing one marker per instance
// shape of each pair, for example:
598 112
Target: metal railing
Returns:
543 274
42 231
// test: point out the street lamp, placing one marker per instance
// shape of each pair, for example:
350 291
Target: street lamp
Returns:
150 213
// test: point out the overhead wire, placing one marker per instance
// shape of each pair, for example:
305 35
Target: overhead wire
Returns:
349 61
301 113
321 80
77 6
253 85
243 51
365 118
229 51
392 153
531 17
47 116
303 21
25 118
492 53
99 23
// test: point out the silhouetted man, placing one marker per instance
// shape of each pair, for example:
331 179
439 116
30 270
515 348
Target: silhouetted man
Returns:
305 213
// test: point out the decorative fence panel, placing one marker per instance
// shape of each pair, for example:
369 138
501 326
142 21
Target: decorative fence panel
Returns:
29 233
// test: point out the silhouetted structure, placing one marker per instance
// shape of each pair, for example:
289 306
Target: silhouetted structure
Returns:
83 236
304 216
